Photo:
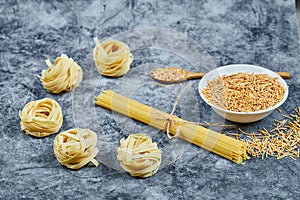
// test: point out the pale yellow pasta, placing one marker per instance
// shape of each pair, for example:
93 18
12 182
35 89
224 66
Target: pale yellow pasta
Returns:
76 147
64 75
41 118
112 57
210 140
139 156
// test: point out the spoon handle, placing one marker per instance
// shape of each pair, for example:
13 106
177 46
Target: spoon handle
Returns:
193 75
284 75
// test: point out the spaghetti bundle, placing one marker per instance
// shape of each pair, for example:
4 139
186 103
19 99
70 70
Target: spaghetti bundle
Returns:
75 148
139 156
64 75
222 145
112 57
41 118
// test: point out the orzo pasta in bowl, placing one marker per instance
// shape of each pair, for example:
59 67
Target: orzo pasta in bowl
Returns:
243 93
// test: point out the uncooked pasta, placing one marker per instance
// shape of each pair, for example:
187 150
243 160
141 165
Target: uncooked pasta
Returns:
64 75
112 57
139 156
243 92
281 141
41 118
222 145
76 147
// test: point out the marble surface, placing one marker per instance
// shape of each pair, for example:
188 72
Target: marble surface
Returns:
197 35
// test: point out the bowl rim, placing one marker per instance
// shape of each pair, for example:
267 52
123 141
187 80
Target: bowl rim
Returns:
269 72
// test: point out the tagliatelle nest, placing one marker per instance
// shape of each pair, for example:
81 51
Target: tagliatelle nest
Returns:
112 57
242 92
41 118
76 147
139 156
64 75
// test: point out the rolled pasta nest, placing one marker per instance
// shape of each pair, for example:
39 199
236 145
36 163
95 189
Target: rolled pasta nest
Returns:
41 118
76 147
139 156
64 75
112 57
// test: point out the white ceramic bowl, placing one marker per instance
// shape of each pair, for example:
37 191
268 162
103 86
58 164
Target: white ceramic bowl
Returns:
241 117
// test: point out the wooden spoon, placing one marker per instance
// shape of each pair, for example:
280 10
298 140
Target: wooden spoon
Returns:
175 75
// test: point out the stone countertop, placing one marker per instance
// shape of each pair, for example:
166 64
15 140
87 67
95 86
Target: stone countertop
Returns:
197 35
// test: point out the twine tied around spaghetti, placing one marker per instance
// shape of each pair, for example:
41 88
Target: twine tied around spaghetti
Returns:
169 119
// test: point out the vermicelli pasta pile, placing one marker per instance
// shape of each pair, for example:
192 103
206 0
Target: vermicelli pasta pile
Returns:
41 118
139 156
242 92
64 75
76 147
282 141
222 145
112 57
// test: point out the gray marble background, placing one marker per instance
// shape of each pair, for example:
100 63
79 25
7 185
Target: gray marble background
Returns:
180 33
